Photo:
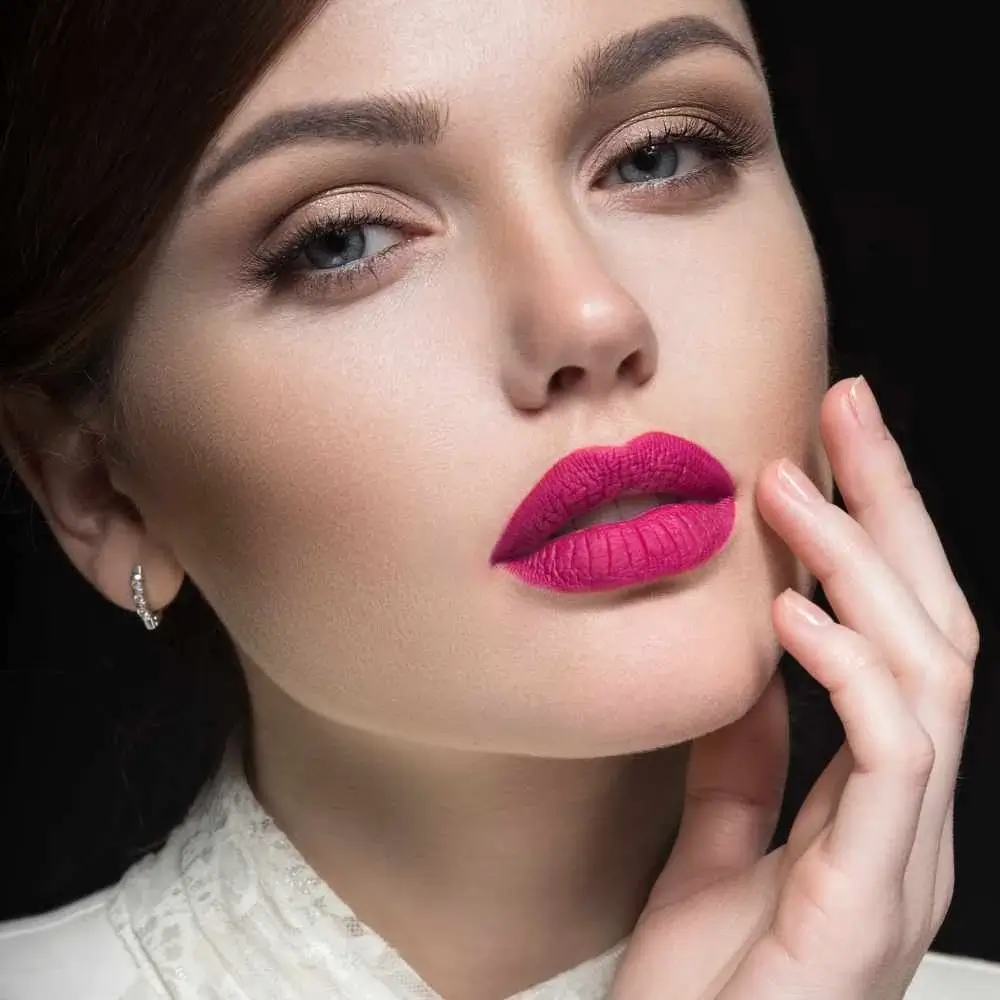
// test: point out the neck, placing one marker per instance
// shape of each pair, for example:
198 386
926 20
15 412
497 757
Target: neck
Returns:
477 868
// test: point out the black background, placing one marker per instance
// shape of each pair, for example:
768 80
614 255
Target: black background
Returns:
97 761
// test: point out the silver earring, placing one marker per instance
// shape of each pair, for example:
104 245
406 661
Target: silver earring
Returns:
149 617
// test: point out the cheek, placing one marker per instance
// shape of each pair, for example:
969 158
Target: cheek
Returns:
738 303
335 492
303 477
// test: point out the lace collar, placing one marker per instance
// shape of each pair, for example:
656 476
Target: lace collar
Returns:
229 910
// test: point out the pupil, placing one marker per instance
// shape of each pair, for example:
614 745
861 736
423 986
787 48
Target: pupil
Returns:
658 161
648 159
334 244
336 248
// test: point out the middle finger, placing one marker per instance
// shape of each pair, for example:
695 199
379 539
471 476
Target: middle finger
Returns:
869 597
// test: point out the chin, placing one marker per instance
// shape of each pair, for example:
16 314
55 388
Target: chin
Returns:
630 670
587 700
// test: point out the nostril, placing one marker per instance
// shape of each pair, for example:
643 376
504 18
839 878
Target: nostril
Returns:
631 364
566 378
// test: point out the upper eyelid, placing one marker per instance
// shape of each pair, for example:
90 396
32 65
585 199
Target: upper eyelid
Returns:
659 124
710 111
621 137
615 145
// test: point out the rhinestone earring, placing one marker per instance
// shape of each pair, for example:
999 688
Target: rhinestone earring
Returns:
149 617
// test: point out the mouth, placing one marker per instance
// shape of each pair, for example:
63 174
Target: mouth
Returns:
615 516
626 506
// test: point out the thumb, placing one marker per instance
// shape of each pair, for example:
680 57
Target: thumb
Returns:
732 798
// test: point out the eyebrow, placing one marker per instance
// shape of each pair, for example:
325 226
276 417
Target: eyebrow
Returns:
617 64
417 120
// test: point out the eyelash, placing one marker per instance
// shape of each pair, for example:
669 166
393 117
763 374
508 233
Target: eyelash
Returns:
724 150
271 266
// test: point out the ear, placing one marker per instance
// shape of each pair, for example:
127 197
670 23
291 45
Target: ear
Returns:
64 465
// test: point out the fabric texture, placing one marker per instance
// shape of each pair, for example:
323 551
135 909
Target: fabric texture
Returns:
229 910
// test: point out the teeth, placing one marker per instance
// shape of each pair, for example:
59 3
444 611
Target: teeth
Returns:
623 509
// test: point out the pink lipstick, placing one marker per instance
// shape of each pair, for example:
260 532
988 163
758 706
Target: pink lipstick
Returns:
610 517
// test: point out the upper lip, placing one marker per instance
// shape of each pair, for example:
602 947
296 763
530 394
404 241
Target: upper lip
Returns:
590 477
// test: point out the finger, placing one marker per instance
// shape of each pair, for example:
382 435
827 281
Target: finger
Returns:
879 493
872 833
871 599
817 811
864 591
733 790
944 875
931 872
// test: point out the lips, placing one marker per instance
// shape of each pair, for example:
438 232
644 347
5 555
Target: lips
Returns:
675 536
622 508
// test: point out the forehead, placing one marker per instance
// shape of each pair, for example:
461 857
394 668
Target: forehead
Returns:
464 51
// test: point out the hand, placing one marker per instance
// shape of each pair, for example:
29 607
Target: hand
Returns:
848 907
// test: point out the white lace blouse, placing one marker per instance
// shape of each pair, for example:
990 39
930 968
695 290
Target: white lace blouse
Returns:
229 910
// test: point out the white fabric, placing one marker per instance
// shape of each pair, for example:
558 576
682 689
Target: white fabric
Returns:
229 910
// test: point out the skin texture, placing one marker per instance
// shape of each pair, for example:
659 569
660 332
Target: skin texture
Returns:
848 907
332 470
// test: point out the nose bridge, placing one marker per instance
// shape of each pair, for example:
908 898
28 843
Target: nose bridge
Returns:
572 325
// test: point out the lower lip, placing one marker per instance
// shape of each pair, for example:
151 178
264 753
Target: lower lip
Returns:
665 541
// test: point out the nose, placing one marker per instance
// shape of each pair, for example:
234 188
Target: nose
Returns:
574 330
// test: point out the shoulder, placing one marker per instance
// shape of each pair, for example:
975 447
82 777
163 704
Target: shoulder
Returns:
72 951
949 977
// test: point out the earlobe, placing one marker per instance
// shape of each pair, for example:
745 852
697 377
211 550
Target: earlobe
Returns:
64 469
112 564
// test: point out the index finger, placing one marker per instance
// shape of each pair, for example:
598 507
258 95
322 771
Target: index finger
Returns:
880 495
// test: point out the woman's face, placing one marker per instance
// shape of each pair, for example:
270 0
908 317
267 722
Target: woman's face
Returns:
494 257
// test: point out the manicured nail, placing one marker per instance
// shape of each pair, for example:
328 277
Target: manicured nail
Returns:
864 406
796 483
806 611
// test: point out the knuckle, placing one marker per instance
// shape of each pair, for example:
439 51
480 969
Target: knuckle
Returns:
826 891
913 753
906 485
882 939
857 654
855 658
955 678
831 901
963 631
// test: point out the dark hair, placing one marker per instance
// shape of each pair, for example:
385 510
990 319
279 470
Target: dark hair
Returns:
107 106
108 109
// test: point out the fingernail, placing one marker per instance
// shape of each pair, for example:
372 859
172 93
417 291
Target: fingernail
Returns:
796 483
805 610
865 408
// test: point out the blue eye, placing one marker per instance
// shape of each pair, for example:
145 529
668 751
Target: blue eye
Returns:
661 161
336 248
335 253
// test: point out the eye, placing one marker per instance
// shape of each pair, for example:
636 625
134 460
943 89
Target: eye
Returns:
333 250
656 161
336 248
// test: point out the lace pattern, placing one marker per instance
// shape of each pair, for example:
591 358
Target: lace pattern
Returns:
229 910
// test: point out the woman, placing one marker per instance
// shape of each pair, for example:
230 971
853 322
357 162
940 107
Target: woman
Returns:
470 360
